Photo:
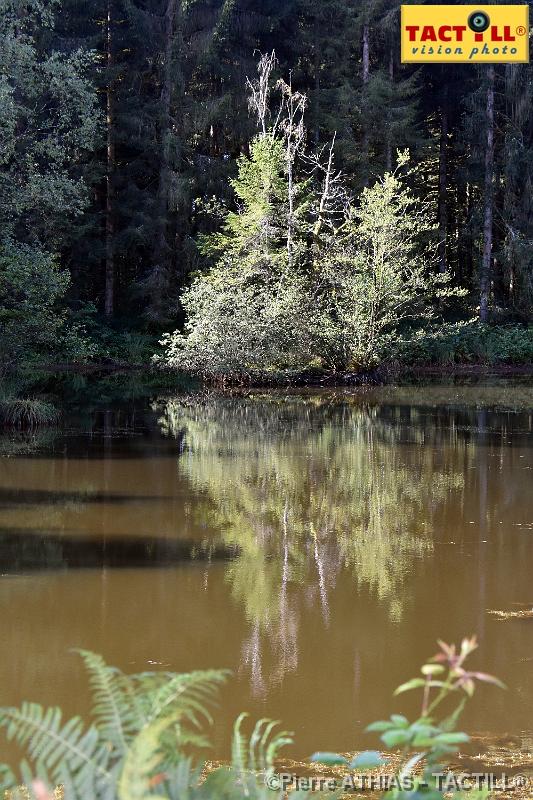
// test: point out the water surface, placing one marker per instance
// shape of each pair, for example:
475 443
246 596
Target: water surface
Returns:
316 543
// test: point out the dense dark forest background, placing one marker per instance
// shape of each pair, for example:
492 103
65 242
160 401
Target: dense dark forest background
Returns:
155 115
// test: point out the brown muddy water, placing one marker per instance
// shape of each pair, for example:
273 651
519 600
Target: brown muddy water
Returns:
315 543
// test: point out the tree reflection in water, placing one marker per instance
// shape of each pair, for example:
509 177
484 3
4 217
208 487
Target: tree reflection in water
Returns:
306 488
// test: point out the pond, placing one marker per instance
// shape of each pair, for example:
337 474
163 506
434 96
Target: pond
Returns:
316 543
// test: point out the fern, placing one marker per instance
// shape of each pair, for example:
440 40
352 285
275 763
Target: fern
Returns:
116 716
238 747
255 757
180 696
190 693
134 748
7 779
55 749
144 761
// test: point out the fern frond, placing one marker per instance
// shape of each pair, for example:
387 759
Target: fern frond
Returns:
7 779
172 698
182 780
53 747
143 760
270 749
142 723
254 759
117 715
189 693
239 760
176 740
261 744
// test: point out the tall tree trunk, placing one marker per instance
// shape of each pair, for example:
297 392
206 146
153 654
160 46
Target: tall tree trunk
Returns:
485 275
162 250
469 260
110 169
366 54
443 184
316 37
366 78
462 250
388 156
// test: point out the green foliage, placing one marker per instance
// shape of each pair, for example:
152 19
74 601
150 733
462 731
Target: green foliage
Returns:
88 339
377 272
467 343
135 747
255 756
27 413
248 313
282 299
431 739
260 191
161 83
368 759
49 122
31 287
133 750
124 747
307 275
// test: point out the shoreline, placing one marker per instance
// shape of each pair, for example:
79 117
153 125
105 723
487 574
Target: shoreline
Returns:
382 375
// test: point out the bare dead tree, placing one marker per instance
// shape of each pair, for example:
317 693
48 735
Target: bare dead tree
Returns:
292 126
259 89
333 195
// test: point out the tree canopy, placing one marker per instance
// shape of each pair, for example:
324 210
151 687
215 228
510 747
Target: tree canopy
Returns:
180 190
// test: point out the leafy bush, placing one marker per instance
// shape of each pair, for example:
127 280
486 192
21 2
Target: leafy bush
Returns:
88 339
305 275
250 312
376 273
31 287
336 303
470 342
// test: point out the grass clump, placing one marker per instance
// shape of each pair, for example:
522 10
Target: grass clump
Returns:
27 413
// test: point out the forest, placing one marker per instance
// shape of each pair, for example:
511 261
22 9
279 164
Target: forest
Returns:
235 188
266 361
